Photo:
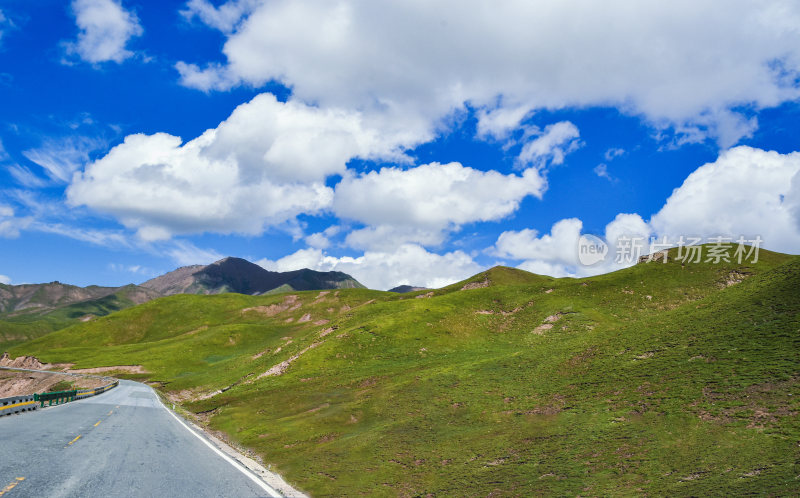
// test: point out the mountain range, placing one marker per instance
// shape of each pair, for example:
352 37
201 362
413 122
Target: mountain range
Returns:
30 310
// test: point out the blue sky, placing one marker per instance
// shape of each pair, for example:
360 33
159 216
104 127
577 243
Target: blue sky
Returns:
400 142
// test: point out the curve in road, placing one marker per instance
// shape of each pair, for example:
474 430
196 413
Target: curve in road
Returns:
121 443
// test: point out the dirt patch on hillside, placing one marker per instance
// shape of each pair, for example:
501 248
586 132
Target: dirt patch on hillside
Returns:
476 285
21 383
21 362
733 278
764 404
290 303
424 296
501 312
281 367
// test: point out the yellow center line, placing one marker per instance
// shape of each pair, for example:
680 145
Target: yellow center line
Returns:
98 423
76 438
11 486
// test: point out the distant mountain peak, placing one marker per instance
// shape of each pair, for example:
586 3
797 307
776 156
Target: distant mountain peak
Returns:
402 289
232 274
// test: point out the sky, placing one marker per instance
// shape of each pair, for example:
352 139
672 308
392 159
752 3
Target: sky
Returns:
402 142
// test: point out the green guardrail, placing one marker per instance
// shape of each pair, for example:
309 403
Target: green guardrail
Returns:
57 396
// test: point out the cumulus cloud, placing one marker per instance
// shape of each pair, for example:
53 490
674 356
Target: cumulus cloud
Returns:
793 198
559 247
105 27
418 204
746 191
408 263
499 122
318 240
224 17
387 237
264 165
551 146
682 64
556 253
5 280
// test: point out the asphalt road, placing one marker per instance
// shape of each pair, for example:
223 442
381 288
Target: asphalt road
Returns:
121 443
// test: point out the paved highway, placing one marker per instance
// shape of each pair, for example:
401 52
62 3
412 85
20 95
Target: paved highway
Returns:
121 443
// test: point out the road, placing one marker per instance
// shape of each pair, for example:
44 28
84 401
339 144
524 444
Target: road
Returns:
121 443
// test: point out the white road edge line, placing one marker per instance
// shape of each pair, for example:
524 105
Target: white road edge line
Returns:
266 487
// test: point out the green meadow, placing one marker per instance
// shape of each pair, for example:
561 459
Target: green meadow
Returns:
661 379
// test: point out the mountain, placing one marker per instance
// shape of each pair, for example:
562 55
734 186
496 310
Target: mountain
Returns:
659 379
243 277
29 311
402 289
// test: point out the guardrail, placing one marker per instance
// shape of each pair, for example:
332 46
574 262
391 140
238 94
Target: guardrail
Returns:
16 404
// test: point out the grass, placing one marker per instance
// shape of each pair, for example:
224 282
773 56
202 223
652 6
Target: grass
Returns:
23 326
658 379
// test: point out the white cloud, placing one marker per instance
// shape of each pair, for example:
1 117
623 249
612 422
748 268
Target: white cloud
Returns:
5 24
387 237
629 226
497 123
385 269
185 253
746 191
560 246
683 64
420 203
318 240
104 238
224 17
60 158
263 166
212 77
792 198
11 225
5 280
105 29
25 177
613 153
556 253
552 145
601 170
133 269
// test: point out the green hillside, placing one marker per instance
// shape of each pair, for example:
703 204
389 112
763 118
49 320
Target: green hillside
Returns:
21 326
658 379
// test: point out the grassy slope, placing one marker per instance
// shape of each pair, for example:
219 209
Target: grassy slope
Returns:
690 391
19 327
